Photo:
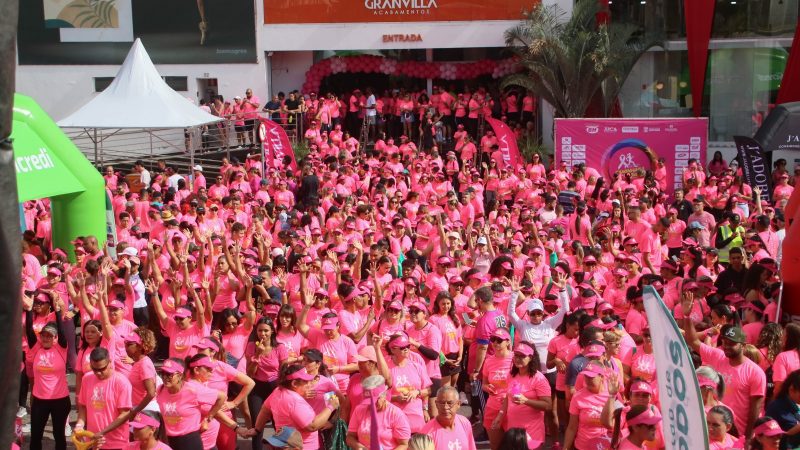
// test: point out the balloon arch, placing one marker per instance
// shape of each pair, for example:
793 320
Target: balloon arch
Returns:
413 69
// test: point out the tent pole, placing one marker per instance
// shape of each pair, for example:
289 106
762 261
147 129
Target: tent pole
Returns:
95 147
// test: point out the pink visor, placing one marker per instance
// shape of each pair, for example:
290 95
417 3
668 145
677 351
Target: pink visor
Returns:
523 349
706 382
770 428
649 417
330 323
400 342
301 374
592 370
203 362
143 420
133 338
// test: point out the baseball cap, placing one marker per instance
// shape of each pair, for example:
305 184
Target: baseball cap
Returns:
203 362
133 338
768 428
171 366
330 323
180 313
535 305
501 333
593 370
400 341
367 353
130 251
301 374
735 334
286 437
206 344
642 386
595 350
523 349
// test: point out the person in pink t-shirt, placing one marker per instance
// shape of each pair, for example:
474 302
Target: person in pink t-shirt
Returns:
144 427
47 358
495 374
586 409
392 424
449 430
182 332
104 402
409 382
745 381
142 376
528 396
287 407
188 408
642 422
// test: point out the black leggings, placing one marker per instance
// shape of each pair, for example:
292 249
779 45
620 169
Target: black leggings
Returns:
41 409
189 441
255 400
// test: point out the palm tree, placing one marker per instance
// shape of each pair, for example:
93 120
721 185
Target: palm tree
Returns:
571 63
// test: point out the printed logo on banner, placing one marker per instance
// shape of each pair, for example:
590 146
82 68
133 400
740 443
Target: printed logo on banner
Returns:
630 129
609 129
592 129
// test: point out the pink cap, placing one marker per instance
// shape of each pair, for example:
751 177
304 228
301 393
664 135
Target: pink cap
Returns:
400 341
523 349
620 273
769 428
501 333
133 338
116 304
595 350
330 323
54 271
605 307
507 265
420 306
143 420
706 382
207 344
182 312
395 304
650 416
301 374
171 366
593 370
367 353
642 386
203 362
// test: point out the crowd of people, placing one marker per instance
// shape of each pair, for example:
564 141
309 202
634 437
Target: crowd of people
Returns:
437 119
375 292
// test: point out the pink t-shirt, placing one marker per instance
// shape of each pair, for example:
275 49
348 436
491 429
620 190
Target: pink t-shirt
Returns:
138 446
335 352
588 407
407 378
459 437
496 371
105 400
182 411
741 382
523 416
236 341
451 336
565 349
49 371
784 364
430 336
268 364
294 344
142 370
392 425
289 409
181 341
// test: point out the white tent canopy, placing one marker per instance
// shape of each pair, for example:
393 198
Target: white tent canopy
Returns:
138 98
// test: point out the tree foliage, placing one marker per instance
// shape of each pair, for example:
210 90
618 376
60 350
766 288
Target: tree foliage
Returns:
569 61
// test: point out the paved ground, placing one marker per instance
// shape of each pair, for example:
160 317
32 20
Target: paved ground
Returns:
49 444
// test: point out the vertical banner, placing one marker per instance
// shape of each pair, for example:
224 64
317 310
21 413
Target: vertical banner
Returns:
699 16
507 143
622 146
755 167
275 145
790 88
684 423
111 229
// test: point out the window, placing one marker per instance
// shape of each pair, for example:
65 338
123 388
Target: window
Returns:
180 84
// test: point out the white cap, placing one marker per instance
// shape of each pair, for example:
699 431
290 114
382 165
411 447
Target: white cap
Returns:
535 305
277 252
130 251
482 240
198 168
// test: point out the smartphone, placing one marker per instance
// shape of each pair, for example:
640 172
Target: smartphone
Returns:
329 396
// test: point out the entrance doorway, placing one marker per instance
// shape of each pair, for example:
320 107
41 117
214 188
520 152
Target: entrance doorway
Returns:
206 89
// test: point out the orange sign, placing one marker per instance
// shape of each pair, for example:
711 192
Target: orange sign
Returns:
352 11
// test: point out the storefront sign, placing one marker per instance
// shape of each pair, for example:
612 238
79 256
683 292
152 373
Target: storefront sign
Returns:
631 145
402 38
353 11
684 422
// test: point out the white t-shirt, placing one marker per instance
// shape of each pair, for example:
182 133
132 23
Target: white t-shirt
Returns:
172 181
371 111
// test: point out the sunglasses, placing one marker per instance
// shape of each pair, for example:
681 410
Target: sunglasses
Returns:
496 340
414 311
393 311
166 375
403 348
102 369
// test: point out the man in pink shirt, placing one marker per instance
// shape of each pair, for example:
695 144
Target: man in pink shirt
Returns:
745 381
104 402
250 106
449 430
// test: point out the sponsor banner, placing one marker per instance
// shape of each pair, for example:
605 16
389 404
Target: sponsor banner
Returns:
755 167
111 229
275 145
368 11
54 32
507 143
623 146
684 424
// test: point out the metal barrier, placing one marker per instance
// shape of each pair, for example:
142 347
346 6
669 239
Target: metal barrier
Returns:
182 148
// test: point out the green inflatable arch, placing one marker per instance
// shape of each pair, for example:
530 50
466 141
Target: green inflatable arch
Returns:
49 165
